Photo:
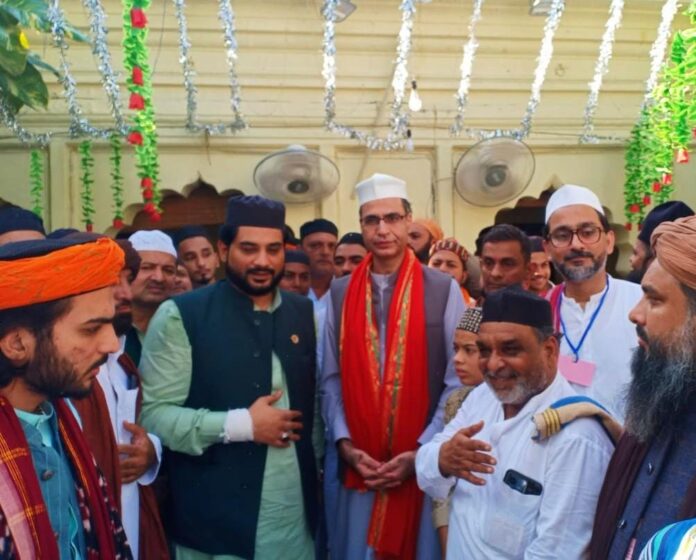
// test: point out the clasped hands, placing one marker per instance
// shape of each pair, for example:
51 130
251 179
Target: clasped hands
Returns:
378 475
463 456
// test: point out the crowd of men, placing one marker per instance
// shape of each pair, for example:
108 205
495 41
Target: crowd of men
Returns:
377 394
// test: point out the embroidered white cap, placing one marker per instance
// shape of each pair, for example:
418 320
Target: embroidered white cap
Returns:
381 186
570 195
153 240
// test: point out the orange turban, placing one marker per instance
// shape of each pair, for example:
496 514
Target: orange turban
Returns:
41 271
433 228
674 244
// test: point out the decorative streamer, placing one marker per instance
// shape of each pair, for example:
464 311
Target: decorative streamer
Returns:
469 53
143 136
659 47
36 181
544 59
25 136
87 192
116 180
601 67
226 16
100 49
397 136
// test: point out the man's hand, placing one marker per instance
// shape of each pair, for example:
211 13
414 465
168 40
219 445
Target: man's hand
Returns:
274 426
138 456
363 464
462 456
395 471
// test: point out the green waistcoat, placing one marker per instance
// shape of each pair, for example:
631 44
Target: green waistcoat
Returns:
215 497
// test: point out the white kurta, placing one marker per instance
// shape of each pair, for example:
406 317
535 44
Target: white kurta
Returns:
495 521
609 344
121 400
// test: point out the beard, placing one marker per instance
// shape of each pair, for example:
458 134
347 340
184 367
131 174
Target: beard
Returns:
580 273
663 384
123 322
54 376
523 390
423 255
242 284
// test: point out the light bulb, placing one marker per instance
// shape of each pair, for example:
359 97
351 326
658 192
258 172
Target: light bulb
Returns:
414 100
409 141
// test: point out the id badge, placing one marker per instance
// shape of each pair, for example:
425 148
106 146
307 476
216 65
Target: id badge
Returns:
580 372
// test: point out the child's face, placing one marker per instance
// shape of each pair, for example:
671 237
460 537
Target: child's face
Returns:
466 358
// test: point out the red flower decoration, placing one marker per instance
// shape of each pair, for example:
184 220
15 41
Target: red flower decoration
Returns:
138 19
628 226
137 76
634 208
666 179
682 155
155 217
118 223
88 227
147 193
646 200
146 183
136 101
135 138
656 187
640 226
150 208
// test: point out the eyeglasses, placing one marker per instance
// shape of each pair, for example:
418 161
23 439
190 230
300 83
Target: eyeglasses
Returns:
373 221
563 237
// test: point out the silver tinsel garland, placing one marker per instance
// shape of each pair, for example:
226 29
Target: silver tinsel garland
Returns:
399 119
226 16
659 47
22 134
545 53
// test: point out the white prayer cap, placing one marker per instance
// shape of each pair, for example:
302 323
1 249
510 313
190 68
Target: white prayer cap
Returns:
381 186
153 240
569 195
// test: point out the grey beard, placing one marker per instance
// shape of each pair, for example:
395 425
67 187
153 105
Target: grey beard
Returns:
663 385
582 273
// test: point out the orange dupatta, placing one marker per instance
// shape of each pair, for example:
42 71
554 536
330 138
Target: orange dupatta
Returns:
386 416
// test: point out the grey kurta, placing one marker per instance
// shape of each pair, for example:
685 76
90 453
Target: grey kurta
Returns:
354 508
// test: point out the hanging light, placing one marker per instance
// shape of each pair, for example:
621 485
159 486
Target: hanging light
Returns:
414 100
409 141
344 9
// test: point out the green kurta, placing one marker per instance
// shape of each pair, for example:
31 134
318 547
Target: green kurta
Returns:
166 370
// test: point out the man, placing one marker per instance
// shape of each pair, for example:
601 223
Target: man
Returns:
154 283
18 224
651 481
539 268
667 212
241 465
349 253
590 307
182 280
422 233
505 254
126 454
56 313
408 313
515 497
197 254
296 274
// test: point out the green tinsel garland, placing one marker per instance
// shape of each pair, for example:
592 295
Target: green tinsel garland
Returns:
665 128
36 182
143 136
116 180
87 193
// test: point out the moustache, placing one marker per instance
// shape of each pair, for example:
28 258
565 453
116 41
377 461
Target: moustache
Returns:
99 363
575 253
260 270
640 331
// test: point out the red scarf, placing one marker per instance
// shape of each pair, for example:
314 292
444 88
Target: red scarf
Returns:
24 515
386 416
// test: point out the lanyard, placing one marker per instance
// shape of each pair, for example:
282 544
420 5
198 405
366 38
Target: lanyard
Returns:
576 349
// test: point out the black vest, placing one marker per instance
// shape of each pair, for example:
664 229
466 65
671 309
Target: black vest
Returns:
216 496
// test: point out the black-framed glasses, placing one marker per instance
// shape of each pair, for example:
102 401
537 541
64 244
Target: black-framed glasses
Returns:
562 237
372 220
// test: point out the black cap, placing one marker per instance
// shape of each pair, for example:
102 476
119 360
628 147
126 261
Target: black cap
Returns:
62 232
187 232
665 212
516 305
537 244
320 225
352 238
294 256
255 211
14 218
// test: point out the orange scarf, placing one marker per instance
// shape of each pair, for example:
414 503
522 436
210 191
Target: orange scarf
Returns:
386 416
